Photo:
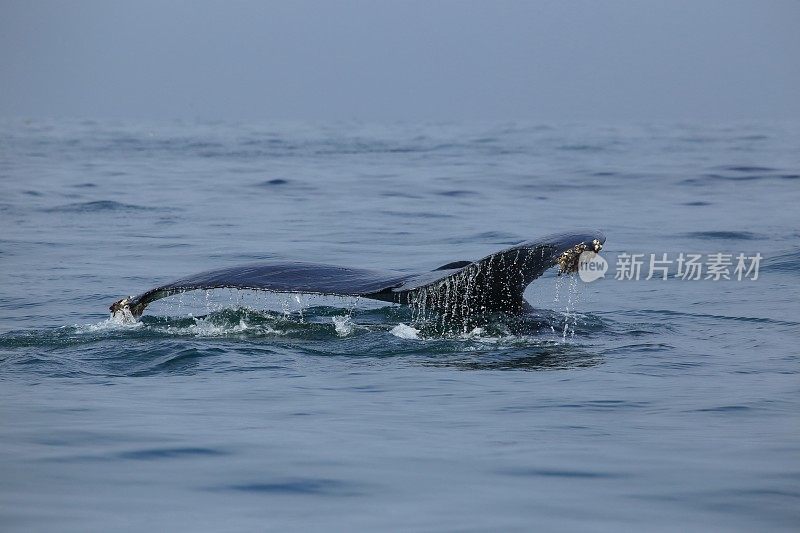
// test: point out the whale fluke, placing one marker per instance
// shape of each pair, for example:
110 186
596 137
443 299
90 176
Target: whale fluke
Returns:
457 290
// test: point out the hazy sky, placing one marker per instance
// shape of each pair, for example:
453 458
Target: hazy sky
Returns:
381 60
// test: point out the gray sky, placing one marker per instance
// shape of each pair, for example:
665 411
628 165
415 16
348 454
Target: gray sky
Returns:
381 60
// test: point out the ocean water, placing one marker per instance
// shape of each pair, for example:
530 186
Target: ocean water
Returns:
659 405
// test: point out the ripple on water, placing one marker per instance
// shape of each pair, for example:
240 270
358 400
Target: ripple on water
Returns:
151 454
298 487
725 235
748 168
97 206
785 262
275 182
560 473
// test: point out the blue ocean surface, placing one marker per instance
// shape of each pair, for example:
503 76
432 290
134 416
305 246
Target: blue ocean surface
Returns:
657 405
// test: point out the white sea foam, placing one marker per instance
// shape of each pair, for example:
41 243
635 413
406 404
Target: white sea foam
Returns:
114 322
405 332
344 325
204 328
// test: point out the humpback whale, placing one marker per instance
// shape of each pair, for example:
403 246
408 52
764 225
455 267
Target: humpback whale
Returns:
457 291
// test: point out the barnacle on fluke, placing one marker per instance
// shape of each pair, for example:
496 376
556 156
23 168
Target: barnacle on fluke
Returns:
568 261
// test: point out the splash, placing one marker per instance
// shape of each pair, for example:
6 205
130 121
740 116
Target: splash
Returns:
207 328
570 315
456 303
404 331
116 322
343 325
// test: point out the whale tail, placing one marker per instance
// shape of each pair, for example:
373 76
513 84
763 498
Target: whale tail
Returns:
457 291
